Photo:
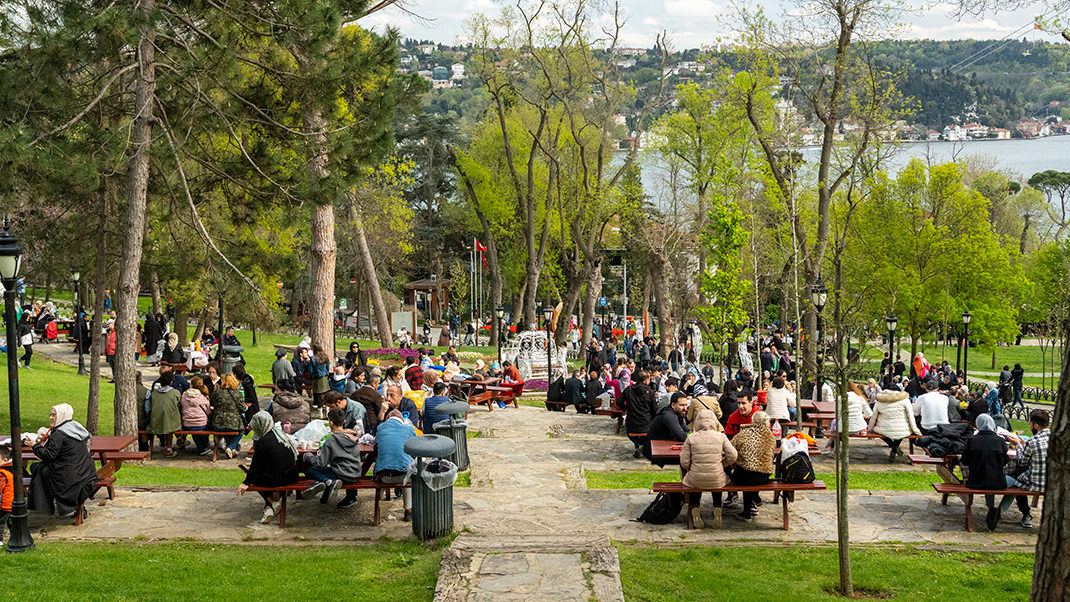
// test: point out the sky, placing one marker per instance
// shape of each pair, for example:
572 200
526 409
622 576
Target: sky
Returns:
692 23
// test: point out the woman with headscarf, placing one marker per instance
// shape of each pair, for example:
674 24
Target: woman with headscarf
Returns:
65 477
704 456
355 356
274 463
165 413
983 460
172 351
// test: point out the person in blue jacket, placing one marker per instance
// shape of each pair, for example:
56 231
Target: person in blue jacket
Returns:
391 461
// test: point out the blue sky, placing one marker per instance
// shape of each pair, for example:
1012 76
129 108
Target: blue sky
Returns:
691 23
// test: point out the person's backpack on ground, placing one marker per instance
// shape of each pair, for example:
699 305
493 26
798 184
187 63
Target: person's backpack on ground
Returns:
663 510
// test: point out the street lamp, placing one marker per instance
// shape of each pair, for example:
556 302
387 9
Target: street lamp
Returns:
548 314
500 313
79 322
612 321
891 321
966 317
819 296
10 261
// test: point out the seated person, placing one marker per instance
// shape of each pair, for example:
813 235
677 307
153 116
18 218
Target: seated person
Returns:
66 476
430 415
705 455
931 406
282 369
273 465
594 389
228 412
354 412
288 406
481 370
338 379
893 420
668 424
983 462
337 462
391 461
574 392
165 414
172 352
7 487
195 412
495 370
745 410
754 445
395 400
1032 454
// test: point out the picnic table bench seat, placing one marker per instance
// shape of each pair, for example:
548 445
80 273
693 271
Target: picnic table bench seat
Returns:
361 483
613 412
966 494
774 486
216 437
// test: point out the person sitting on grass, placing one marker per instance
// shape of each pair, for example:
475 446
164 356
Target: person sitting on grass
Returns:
668 424
354 412
66 476
337 463
430 404
165 416
228 409
273 465
754 444
195 412
744 413
705 455
288 406
391 461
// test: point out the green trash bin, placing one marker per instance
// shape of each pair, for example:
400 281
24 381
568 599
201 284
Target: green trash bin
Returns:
432 487
455 428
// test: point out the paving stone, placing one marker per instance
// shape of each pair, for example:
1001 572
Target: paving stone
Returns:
503 564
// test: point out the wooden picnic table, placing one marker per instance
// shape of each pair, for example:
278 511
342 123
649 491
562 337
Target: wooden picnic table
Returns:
367 456
106 449
817 406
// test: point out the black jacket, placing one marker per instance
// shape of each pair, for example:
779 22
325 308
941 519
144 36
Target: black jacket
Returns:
640 403
66 475
666 426
573 392
273 464
593 388
1016 375
729 405
985 456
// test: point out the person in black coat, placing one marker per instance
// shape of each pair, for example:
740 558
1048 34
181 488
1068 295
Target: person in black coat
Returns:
248 388
153 334
728 401
593 388
984 459
639 403
574 393
273 465
65 477
668 425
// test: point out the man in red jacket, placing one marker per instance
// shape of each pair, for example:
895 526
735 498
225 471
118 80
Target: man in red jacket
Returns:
742 415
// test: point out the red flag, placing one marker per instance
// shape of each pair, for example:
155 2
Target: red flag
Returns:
484 258
480 247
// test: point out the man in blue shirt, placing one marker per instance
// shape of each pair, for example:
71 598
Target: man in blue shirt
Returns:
430 415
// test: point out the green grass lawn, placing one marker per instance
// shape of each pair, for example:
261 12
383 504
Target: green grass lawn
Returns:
387 571
133 474
882 481
807 573
47 384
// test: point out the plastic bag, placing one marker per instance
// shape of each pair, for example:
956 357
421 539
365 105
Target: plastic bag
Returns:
418 398
317 430
439 474
793 445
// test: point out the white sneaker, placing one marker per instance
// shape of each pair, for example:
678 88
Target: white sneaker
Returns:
716 518
269 515
231 453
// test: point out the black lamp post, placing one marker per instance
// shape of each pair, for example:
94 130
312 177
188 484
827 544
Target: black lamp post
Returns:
500 313
966 317
10 261
548 315
819 296
612 322
76 276
891 321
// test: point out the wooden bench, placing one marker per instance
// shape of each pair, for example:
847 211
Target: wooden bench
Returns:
614 412
303 484
176 367
557 406
507 393
774 486
967 494
910 439
486 397
216 437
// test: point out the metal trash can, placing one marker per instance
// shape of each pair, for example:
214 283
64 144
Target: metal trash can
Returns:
432 511
455 428
229 363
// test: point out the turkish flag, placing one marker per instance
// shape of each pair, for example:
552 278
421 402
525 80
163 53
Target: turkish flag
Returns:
480 247
485 266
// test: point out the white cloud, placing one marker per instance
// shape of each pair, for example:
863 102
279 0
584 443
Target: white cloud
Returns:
691 8
651 21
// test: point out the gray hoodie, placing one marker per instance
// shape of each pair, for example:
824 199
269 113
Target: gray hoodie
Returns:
342 453
75 431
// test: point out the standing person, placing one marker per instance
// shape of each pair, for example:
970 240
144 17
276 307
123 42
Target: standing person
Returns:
899 368
109 346
705 455
1032 455
165 415
65 477
983 461
195 412
1016 386
319 372
639 404
228 409
153 334
282 370
273 465
893 419
248 390
754 463
25 332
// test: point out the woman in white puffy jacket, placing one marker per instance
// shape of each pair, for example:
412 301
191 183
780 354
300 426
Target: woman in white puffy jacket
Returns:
857 409
893 419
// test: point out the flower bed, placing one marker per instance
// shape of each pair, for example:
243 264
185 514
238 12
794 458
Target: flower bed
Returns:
536 384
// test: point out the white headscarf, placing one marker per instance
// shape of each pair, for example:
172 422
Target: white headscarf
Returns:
63 412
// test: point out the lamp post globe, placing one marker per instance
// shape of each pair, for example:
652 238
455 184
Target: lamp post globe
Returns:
10 262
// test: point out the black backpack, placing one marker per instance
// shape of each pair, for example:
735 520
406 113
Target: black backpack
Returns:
663 510
797 469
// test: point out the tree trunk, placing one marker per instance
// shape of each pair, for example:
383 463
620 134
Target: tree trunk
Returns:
572 297
92 414
593 275
136 210
154 284
843 538
323 248
659 272
202 321
518 304
1051 571
182 325
647 291
382 320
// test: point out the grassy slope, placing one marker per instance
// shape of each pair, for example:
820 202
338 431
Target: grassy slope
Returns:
187 571
805 574
884 481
